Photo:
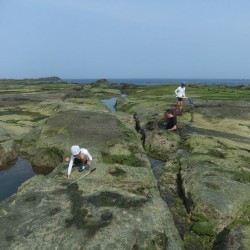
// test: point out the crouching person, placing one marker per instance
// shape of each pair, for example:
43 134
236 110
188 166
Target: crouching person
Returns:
80 157
170 120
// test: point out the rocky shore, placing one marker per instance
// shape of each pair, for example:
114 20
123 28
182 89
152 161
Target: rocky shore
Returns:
197 198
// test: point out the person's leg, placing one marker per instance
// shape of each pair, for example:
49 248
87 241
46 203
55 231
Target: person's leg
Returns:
83 159
179 100
77 162
179 103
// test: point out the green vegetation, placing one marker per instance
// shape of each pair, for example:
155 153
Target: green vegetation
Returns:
54 152
114 199
206 153
127 107
243 218
201 217
211 92
241 176
80 209
203 228
193 241
130 160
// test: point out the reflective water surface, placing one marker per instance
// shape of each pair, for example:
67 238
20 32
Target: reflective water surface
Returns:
13 177
110 103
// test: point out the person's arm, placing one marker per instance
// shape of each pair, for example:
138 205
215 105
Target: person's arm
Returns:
176 92
174 124
70 166
173 128
90 159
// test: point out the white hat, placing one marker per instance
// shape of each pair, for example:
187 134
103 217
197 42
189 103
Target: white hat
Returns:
75 150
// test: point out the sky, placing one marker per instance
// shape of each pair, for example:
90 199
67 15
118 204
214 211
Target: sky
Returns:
75 39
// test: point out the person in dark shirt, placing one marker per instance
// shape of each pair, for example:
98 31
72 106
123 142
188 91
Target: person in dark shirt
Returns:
170 120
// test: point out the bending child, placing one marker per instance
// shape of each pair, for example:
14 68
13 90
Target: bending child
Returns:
80 157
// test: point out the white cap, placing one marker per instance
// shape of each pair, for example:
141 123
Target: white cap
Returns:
75 150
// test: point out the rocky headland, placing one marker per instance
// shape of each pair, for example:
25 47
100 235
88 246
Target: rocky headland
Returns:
195 197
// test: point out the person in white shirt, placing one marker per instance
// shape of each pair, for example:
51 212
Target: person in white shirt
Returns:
79 156
180 94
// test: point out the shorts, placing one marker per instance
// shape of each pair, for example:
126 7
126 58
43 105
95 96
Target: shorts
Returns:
78 162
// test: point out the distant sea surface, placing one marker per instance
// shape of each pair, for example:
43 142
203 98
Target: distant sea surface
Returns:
161 81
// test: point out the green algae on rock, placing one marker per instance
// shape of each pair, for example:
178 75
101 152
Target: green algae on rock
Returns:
118 199
204 178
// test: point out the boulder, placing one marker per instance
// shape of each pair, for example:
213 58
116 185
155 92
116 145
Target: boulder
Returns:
8 153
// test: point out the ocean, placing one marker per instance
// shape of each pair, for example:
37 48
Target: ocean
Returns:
161 81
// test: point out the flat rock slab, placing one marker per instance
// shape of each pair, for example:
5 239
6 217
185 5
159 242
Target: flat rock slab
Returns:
115 207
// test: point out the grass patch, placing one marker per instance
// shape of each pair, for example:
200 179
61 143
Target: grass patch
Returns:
203 91
200 218
54 152
193 241
127 107
203 228
244 218
241 177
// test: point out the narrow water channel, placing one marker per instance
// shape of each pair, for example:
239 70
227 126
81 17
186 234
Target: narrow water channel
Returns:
157 167
13 177
110 103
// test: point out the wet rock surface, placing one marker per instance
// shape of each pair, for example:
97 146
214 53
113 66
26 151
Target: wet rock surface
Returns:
117 206
205 178
196 198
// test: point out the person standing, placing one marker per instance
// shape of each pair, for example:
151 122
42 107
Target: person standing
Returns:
180 94
80 157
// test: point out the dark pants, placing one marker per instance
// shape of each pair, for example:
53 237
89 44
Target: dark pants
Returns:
77 162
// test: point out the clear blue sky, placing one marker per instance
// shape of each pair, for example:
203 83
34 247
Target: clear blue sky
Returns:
125 38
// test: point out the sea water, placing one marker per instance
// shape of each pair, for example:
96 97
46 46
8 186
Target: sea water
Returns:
161 81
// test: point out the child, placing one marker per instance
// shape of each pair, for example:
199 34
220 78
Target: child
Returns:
180 94
171 121
79 156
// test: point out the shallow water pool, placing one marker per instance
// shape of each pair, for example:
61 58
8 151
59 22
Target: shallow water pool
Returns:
110 103
13 177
